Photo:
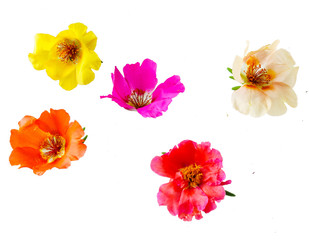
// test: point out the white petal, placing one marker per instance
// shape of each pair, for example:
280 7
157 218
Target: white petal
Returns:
280 93
251 100
288 77
238 62
280 61
264 52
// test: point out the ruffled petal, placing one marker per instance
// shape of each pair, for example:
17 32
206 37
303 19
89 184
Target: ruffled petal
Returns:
169 89
251 100
280 61
169 195
237 65
90 40
55 122
25 157
215 192
119 101
121 87
75 148
280 93
43 44
263 53
26 121
288 77
179 157
79 29
192 198
155 109
141 77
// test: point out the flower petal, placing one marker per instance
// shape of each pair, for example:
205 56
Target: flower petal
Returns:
141 77
43 44
180 156
192 198
90 40
119 101
75 148
121 86
155 109
215 192
280 93
288 77
169 195
25 157
55 122
26 121
280 61
169 89
79 29
237 65
251 100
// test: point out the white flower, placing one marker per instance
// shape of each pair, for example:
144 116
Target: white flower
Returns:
267 77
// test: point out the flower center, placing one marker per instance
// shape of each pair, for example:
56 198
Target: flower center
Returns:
52 148
68 50
256 74
192 174
139 98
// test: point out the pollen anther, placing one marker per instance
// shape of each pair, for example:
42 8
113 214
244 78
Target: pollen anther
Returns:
52 148
192 174
68 50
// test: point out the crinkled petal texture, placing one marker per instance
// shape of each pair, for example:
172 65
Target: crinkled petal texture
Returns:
205 164
258 99
69 57
28 141
138 83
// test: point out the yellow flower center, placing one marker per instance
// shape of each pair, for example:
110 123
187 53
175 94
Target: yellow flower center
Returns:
139 98
68 50
256 74
52 148
192 174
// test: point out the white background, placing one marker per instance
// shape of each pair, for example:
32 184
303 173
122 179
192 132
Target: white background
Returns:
110 193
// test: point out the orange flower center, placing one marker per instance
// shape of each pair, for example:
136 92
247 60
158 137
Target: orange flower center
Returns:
139 98
256 74
192 174
68 50
52 148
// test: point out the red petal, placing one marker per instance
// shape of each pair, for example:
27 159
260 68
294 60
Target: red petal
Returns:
169 195
190 199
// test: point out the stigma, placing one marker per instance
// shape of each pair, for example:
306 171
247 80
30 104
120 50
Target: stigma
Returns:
52 148
68 50
192 175
139 98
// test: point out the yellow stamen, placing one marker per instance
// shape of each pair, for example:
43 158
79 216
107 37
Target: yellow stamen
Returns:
68 50
192 174
52 148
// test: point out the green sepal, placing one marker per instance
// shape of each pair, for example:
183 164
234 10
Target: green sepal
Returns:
227 193
84 128
231 77
163 153
236 88
85 138
230 70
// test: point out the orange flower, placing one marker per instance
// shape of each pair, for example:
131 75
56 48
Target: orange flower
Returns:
47 142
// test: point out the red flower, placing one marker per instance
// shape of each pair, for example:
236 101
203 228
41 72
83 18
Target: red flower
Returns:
196 179
48 142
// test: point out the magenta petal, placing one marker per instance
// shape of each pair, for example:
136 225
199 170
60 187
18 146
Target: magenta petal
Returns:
121 88
215 192
141 77
120 101
155 109
192 198
169 195
169 89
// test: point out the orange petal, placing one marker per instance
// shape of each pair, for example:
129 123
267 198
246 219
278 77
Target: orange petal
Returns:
31 136
55 122
75 147
25 157
26 121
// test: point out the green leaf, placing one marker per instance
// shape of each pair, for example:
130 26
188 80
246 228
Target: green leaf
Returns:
230 70
227 193
163 153
236 88
85 138
231 77
84 128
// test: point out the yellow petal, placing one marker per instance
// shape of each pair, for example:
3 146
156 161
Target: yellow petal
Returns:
90 40
79 29
251 100
43 44
69 81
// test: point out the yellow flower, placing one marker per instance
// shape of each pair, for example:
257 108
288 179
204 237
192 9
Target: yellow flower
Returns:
69 57
267 77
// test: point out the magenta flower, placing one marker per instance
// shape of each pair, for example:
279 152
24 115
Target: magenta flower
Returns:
136 90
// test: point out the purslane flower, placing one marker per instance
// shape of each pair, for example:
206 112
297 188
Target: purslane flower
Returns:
47 142
136 90
69 57
267 77
196 179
